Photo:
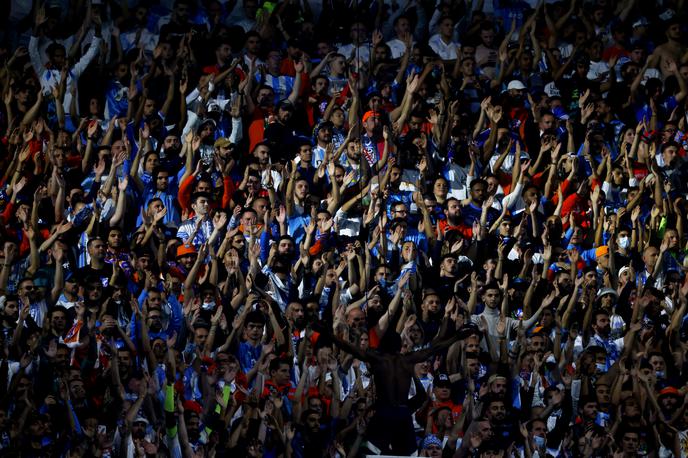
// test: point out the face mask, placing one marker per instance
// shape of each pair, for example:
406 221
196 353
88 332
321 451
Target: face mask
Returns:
208 305
623 242
601 367
539 441
659 374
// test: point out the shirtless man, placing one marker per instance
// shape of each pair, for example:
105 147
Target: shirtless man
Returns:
672 49
391 428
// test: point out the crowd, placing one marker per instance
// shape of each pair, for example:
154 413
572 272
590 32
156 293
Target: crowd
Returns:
303 229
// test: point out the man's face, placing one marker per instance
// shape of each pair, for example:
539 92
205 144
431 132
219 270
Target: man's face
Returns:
320 86
449 266
313 422
94 291
281 375
58 57
358 33
353 151
630 442
478 193
262 154
650 256
201 206
382 273
200 336
499 387
27 289
491 298
590 410
537 344
97 250
261 205
224 51
325 135
657 363
669 154
602 325
253 45
77 389
431 304
539 429
372 124
306 154
58 321
254 330
162 181
402 27
356 318
248 219
472 344
547 122
447 28
187 260
674 32
487 37
265 98
285 246
301 190
155 207
148 107
496 411
114 239
296 313
453 210
603 394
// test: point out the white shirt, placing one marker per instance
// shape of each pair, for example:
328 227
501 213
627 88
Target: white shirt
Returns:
446 51
50 78
360 52
397 47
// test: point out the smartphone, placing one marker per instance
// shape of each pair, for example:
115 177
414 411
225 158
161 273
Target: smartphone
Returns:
102 429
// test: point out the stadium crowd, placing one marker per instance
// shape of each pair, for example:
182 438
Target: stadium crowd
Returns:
294 228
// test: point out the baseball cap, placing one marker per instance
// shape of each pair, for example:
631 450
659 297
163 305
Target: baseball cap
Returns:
442 380
640 22
669 391
601 251
605 291
431 440
185 249
515 84
370 113
222 142
286 105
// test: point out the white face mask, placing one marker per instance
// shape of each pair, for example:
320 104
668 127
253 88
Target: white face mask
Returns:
208 305
624 242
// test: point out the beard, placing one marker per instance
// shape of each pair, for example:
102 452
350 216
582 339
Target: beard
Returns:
173 151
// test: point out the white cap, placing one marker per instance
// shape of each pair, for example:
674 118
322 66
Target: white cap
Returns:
515 84
641 22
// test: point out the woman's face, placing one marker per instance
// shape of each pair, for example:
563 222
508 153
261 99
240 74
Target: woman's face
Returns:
440 189
617 176
629 136
152 161
363 341
338 118
415 334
